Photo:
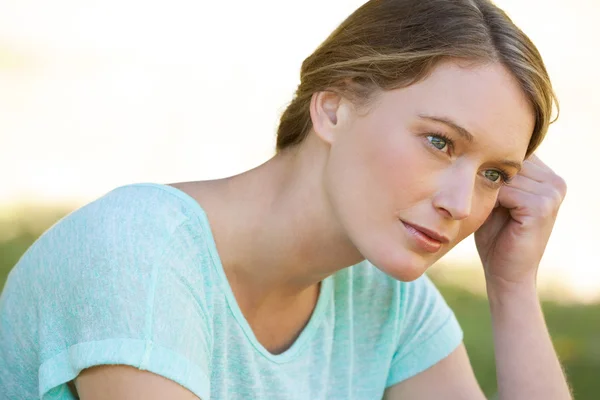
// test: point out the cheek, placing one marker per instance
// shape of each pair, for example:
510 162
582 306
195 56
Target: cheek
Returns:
402 169
375 164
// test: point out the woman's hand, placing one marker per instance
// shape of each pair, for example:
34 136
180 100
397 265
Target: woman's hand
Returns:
512 240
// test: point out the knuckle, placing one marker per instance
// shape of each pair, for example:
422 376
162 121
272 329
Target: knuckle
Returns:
557 198
561 185
547 205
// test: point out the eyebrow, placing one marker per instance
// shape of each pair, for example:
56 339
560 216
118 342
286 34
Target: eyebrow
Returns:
467 136
447 121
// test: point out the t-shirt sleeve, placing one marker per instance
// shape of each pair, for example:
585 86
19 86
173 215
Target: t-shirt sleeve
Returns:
112 284
428 330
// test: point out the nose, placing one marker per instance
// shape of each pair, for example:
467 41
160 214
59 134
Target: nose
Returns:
455 195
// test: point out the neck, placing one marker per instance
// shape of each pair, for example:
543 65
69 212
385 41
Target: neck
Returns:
274 227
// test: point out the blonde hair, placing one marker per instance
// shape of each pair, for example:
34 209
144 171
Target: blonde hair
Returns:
390 44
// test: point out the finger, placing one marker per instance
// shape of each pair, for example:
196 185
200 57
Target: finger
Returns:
532 171
511 198
538 204
524 202
536 160
528 185
537 171
542 189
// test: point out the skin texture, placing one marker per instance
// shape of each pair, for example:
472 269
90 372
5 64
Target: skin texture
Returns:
349 187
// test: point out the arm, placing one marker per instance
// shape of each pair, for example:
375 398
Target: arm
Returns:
511 244
119 382
526 364
450 379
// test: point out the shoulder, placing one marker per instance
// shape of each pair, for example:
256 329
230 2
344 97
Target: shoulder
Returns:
111 256
136 205
119 281
120 241
137 218
116 243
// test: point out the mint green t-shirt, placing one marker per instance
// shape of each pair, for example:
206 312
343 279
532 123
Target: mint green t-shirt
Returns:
134 278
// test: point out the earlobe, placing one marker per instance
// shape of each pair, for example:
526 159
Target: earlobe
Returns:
324 108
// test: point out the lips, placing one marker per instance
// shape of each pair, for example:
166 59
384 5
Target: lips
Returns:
425 239
428 232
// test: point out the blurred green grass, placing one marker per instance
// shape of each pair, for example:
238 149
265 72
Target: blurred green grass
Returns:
575 329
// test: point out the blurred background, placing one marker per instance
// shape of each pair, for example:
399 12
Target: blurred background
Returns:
99 94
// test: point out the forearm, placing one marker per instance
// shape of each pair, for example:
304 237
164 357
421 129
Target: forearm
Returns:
527 365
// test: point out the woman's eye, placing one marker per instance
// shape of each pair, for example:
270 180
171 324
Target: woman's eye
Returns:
438 142
493 175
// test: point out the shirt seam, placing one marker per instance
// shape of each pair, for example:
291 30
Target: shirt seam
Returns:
204 314
190 205
111 339
151 306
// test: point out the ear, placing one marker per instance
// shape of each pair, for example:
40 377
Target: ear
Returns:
327 112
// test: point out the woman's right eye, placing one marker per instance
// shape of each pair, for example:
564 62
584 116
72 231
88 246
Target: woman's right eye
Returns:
439 142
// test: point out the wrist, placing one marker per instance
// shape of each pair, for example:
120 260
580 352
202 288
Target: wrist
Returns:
516 282
501 291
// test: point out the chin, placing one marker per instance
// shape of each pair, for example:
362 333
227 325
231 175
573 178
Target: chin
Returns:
401 264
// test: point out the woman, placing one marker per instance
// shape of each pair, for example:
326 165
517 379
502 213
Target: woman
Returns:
414 125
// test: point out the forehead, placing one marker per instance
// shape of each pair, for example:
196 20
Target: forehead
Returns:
485 99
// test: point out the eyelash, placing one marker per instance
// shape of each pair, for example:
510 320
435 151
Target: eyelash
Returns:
505 178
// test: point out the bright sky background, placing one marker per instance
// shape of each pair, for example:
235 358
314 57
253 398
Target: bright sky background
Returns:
98 94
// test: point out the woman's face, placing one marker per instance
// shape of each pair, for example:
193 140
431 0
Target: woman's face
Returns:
430 157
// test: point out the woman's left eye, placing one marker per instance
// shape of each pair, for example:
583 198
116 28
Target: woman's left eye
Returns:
497 177
439 142
493 175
